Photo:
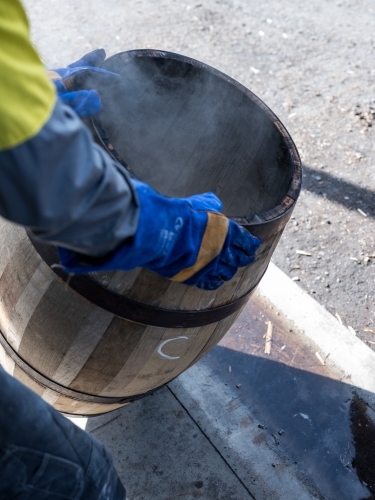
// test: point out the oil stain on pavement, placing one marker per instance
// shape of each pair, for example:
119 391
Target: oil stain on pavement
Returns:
363 429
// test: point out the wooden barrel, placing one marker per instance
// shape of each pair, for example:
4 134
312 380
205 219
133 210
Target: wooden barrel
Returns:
91 344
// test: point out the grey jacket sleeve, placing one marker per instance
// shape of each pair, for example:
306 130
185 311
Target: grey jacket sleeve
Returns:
66 190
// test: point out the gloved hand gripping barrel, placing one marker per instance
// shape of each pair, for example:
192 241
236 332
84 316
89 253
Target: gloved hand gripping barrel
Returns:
92 343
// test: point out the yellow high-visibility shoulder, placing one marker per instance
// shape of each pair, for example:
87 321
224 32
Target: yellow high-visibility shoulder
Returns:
27 97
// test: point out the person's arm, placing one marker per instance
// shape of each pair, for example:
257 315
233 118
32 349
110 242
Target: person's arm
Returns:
66 190
53 179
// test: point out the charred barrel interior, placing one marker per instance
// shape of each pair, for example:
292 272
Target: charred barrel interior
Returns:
185 128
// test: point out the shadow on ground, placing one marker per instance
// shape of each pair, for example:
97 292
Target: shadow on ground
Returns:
338 190
320 424
160 453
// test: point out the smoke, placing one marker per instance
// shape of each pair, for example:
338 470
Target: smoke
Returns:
184 129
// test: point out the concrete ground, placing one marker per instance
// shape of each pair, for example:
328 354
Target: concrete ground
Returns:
294 424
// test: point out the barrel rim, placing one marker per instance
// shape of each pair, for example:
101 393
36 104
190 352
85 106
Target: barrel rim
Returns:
257 220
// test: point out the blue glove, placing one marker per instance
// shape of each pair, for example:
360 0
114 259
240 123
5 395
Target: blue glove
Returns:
183 239
72 82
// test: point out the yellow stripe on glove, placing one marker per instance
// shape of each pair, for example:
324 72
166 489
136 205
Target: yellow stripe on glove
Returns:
212 243
52 75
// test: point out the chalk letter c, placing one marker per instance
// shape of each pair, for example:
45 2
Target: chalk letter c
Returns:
166 342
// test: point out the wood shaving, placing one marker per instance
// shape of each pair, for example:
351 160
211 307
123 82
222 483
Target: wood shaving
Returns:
351 330
267 346
320 358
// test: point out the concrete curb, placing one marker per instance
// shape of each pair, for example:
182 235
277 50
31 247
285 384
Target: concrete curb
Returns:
234 432
343 350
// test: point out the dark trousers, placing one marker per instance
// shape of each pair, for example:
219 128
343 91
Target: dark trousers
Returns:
44 456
